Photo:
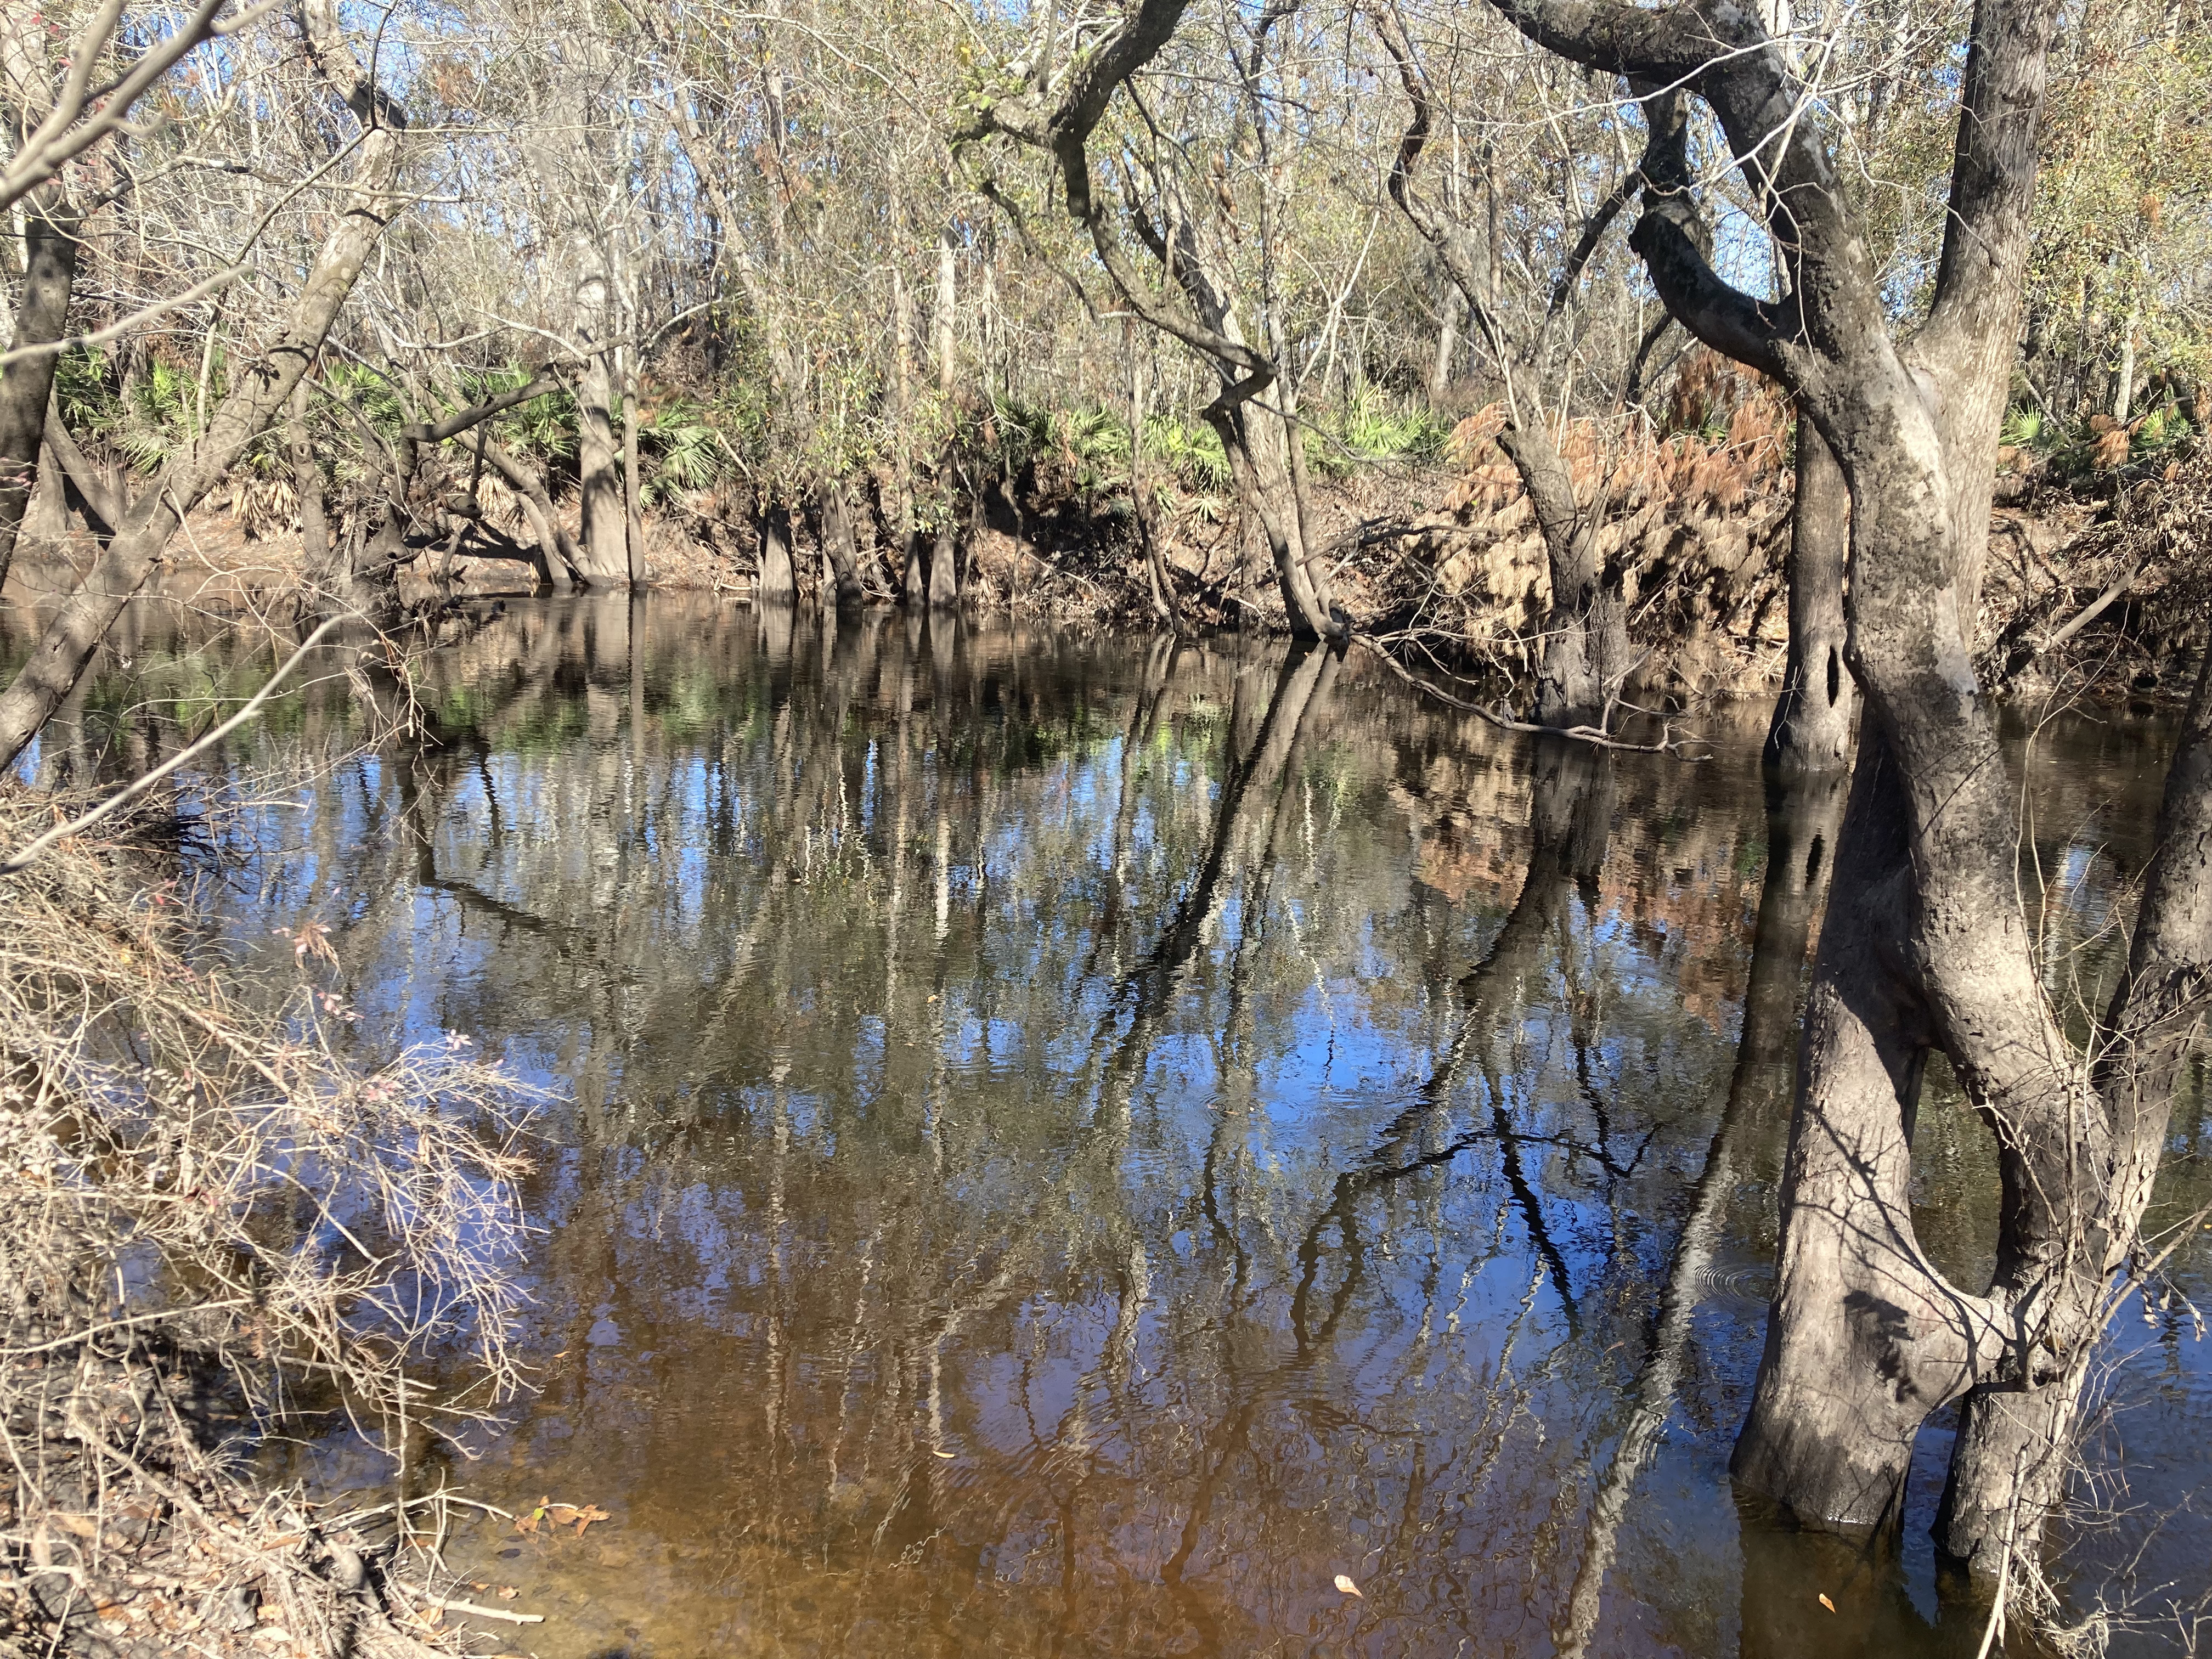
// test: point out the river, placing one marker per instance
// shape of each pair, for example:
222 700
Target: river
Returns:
1073 1146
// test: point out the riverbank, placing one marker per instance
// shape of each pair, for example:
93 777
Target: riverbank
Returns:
2095 595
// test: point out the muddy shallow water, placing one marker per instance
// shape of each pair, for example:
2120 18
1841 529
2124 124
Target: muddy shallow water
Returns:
1067 1146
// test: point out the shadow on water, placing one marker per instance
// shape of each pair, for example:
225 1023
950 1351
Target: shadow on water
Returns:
1067 1146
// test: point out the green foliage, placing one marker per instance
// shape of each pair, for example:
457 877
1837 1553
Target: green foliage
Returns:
687 446
1190 450
544 428
1374 426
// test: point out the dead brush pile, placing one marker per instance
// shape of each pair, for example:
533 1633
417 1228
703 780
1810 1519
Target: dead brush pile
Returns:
1692 502
212 1220
2108 600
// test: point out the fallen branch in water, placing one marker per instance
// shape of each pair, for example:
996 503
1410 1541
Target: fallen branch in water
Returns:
1596 736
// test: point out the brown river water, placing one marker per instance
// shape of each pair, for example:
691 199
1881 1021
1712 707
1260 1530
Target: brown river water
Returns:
1065 1145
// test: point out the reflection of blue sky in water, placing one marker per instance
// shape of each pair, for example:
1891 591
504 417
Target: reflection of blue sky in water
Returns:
959 1242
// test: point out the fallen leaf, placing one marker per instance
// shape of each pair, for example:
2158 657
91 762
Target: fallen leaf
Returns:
1345 1585
1826 1603
588 1514
507 1592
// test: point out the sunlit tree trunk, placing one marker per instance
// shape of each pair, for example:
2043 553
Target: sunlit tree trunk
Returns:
1816 718
50 249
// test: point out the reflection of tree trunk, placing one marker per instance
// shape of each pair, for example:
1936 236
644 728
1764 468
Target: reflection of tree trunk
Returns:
1570 821
1816 717
1801 832
50 249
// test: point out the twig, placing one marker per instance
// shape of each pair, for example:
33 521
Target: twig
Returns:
2004 1567
447 1605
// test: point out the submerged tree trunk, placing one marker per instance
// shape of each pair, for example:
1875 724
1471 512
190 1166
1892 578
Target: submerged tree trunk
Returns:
261 390
1927 944
27 385
1816 718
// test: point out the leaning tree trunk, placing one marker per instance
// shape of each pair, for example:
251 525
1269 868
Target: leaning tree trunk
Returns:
1585 656
1816 718
262 389
50 270
1259 445
561 555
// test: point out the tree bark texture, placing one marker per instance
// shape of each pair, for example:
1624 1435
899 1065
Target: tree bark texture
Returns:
261 389
47 516
1816 718
26 385
945 568
606 527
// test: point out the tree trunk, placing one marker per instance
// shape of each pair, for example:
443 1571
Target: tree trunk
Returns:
841 567
261 389
1440 369
561 555
947 272
1585 656
317 568
913 581
605 562
778 584
633 514
26 387
47 516
945 568
1816 718
1263 451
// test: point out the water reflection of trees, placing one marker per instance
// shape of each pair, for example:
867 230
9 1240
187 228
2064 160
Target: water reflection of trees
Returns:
1035 1149
979 1050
